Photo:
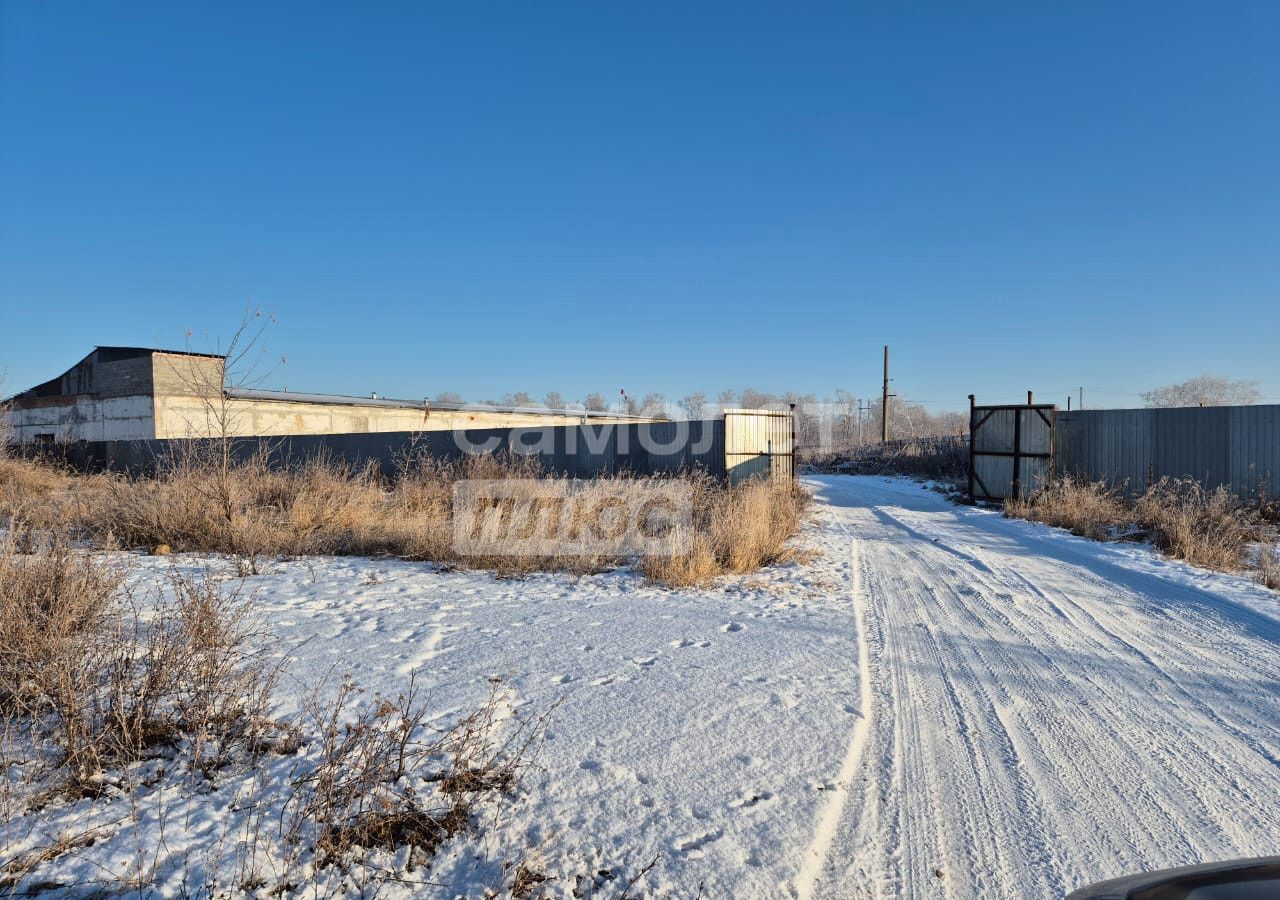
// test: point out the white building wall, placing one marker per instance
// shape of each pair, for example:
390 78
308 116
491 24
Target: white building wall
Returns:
182 417
84 417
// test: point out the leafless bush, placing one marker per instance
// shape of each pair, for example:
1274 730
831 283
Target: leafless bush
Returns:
225 680
1088 508
384 779
106 681
55 607
1210 528
101 695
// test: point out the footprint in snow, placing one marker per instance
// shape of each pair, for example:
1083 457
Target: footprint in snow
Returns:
746 801
731 627
692 846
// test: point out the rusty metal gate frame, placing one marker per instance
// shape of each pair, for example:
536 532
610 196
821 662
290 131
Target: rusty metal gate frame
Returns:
1017 453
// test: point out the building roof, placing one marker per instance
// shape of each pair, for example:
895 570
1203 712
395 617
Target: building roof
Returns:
139 351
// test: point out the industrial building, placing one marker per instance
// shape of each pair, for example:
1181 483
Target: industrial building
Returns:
136 393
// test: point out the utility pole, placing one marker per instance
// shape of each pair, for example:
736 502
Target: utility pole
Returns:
884 400
862 408
1080 405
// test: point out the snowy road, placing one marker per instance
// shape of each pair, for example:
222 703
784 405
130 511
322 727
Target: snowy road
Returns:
1044 712
941 703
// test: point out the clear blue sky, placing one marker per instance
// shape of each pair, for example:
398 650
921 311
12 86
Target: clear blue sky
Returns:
658 196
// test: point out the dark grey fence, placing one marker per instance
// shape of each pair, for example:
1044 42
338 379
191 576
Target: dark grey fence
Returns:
578 450
1236 446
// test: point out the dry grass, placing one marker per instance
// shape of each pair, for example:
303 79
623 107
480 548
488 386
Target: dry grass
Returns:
92 687
1207 528
384 779
1184 520
736 530
24 483
196 501
1087 508
1269 568
108 683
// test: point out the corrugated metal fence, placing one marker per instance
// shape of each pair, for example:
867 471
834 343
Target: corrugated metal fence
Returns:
582 451
1237 446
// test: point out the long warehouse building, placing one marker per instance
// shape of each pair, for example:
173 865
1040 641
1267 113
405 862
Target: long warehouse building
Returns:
137 393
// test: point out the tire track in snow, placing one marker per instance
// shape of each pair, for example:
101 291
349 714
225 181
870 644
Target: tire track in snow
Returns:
814 858
1043 718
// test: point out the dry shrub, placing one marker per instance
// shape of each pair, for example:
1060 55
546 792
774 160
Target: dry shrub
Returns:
107 682
384 779
736 528
1269 568
1088 508
55 606
92 683
1207 528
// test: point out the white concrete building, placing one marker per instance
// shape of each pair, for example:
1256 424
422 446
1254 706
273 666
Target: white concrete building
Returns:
136 393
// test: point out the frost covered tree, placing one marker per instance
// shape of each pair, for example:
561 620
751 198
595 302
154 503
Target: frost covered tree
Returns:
1204 390
519 398
694 405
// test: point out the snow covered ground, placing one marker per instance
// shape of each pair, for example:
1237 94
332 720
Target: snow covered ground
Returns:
941 703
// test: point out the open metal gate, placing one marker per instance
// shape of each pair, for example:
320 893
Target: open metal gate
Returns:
759 442
1010 450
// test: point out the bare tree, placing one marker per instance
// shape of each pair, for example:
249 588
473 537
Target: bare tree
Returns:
653 404
595 402
519 398
694 405
210 379
728 398
554 400
448 397
1204 390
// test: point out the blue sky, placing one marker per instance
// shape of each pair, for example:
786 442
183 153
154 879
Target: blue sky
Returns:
664 197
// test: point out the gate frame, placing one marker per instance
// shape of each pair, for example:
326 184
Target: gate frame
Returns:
1018 454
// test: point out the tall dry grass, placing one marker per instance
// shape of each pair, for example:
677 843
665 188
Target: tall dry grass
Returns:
1088 508
252 509
1210 528
106 681
736 529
